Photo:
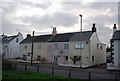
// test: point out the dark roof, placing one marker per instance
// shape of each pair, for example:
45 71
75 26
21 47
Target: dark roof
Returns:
41 38
7 39
116 35
85 36
64 37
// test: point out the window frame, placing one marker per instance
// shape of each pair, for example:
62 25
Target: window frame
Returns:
55 46
66 46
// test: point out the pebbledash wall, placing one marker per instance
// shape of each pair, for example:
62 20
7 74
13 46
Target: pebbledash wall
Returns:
61 48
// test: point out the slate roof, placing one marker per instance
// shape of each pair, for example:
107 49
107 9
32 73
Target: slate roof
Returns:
85 36
7 39
116 35
64 37
41 38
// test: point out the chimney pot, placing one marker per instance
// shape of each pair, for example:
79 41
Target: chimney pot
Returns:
54 32
114 28
93 28
28 35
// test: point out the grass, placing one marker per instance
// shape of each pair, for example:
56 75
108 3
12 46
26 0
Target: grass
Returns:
26 75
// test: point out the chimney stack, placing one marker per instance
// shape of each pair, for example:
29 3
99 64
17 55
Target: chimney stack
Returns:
114 28
94 28
54 32
28 35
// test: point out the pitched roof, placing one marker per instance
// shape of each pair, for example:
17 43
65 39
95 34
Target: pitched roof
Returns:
41 38
64 37
116 35
7 39
85 36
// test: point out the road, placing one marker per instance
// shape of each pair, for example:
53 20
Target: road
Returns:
72 72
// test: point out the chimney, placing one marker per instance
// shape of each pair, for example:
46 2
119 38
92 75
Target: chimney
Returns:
114 28
94 28
28 35
54 32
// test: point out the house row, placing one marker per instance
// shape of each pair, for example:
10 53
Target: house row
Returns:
75 49
9 45
115 50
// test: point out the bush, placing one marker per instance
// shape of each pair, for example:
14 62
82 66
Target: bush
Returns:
6 64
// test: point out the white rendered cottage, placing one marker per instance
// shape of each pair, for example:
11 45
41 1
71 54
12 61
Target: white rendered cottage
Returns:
10 45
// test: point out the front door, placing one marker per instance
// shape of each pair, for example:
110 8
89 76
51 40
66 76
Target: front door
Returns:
56 59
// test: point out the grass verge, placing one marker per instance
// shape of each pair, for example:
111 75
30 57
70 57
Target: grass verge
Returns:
31 76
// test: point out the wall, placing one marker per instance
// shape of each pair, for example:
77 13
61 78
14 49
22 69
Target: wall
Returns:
96 51
76 51
60 52
42 52
116 52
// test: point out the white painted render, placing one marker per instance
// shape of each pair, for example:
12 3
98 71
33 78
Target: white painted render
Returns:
11 49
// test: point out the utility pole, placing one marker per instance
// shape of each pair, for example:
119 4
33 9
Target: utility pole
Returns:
81 38
32 48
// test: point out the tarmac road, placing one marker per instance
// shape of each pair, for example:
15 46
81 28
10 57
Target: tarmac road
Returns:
75 72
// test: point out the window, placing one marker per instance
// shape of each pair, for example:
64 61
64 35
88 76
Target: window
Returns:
100 46
39 46
66 46
93 58
25 46
66 58
55 46
79 45
17 40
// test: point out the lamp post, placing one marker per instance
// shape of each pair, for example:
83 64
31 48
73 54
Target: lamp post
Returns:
32 48
81 38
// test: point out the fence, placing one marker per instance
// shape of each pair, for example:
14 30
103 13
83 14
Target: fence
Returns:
68 72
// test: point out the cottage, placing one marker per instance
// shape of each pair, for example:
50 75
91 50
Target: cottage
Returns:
67 49
10 45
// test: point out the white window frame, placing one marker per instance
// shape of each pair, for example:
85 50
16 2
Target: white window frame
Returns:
55 46
66 46
78 46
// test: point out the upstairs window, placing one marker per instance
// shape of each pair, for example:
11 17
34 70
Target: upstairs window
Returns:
78 45
66 46
98 45
39 46
25 47
56 46
17 40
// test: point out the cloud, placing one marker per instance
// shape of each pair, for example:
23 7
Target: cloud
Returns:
56 19
28 16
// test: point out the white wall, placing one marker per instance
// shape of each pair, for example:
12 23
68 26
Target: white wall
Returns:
13 47
98 53
116 52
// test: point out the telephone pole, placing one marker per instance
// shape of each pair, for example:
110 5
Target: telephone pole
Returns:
32 47
81 39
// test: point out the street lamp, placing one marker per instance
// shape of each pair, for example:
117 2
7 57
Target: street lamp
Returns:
81 38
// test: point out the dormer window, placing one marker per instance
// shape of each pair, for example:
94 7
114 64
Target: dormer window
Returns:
17 40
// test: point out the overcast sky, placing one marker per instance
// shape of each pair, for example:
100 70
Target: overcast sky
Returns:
40 16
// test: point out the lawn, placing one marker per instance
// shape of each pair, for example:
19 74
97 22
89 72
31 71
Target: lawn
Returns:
26 75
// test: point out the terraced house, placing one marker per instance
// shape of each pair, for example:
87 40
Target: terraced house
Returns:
67 49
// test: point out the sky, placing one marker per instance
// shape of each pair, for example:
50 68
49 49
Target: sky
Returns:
41 15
